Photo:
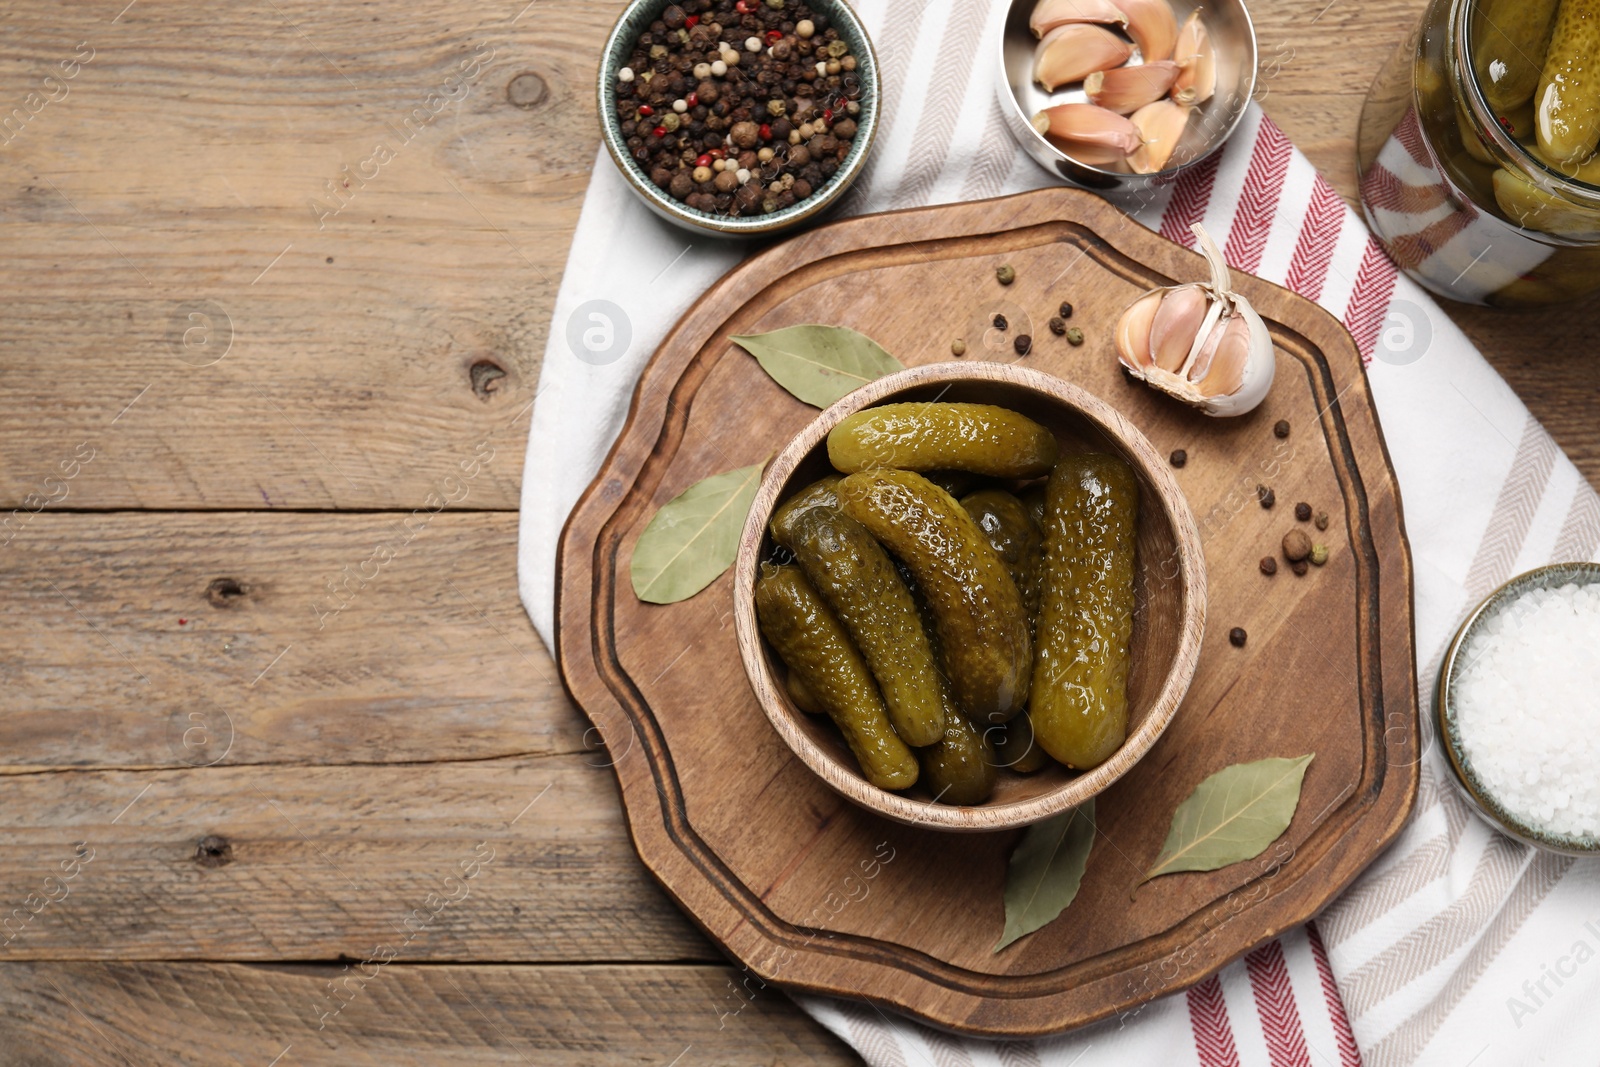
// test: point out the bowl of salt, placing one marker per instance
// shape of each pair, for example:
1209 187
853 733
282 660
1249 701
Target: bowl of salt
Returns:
1518 702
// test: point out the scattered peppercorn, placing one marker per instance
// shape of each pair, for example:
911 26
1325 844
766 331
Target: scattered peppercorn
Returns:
1000 322
1322 520
1269 565
1006 274
1266 496
1179 457
1296 546
958 347
1058 327
1075 338
1302 511
1066 310
1299 567
1237 637
1023 344
1281 428
1319 554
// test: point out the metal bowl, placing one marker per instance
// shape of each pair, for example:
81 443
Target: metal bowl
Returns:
1471 787
1232 35
619 45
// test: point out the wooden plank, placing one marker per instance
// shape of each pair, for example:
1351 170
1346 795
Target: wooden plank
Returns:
262 863
367 351
185 639
586 1016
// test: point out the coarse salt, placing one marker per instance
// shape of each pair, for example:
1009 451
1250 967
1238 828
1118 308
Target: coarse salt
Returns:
1527 704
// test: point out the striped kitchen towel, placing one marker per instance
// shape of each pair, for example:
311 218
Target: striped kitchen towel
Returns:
1459 946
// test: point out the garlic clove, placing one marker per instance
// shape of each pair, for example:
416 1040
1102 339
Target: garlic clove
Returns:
1127 89
1089 134
1048 14
1134 330
1161 125
1225 370
1152 26
1197 63
1228 362
1069 53
1176 324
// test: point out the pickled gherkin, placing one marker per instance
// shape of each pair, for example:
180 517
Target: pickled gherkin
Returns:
1015 746
1508 42
818 494
960 769
803 698
815 647
1567 104
859 582
979 438
1014 536
982 626
1079 708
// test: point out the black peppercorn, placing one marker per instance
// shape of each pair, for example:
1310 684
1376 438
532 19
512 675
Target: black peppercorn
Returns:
1058 327
1281 428
1302 511
1269 565
1066 310
1000 321
1266 496
1022 344
1237 637
1179 457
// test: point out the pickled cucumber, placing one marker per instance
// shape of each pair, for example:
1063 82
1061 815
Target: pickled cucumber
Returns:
1011 532
1015 746
814 646
1567 105
859 582
978 613
803 698
1509 40
818 494
1079 708
957 483
960 769
979 438
1530 206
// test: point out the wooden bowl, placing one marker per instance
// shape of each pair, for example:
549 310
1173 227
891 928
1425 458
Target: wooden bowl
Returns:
1169 593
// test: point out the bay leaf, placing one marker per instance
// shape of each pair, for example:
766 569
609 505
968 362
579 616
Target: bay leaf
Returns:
694 537
1232 815
819 364
1046 870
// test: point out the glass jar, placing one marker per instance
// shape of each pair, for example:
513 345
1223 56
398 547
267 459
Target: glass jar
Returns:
1464 194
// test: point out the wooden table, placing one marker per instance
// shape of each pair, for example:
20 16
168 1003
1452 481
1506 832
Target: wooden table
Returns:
271 705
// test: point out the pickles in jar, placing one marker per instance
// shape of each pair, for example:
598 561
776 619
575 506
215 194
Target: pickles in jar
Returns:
977 610
1567 101
819 494
812 644
1079 707
1011 532
978 438
859 582
1508 41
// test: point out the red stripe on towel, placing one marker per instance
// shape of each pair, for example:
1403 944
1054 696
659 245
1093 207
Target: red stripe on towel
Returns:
1369 300
1318 238
1258 204
1213 1033
1280 1019
1349 1053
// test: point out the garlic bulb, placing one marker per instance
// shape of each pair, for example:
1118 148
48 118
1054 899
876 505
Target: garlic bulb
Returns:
1202 342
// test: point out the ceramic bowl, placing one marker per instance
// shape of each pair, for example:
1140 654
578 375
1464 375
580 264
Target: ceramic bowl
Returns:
866 90
1470 784
1232 35
1169 609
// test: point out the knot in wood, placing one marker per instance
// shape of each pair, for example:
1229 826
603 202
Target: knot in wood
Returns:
213 851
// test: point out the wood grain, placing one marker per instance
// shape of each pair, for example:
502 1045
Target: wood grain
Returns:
318 863
810 890
209 1013
185 639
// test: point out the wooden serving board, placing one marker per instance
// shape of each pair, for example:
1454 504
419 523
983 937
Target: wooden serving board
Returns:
807 890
